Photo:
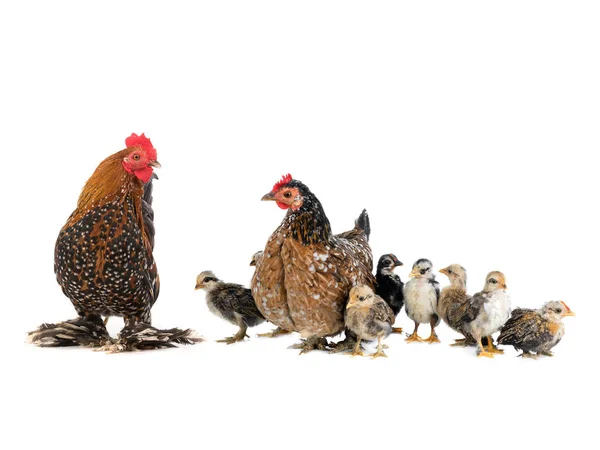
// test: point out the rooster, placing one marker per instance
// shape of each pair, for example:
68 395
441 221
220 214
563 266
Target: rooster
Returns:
103 258
303 279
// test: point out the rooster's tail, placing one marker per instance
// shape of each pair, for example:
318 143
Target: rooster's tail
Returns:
363 223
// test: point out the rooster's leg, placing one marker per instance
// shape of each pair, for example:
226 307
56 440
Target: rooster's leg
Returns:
239 336
414 337
311 343
379 352
85 331
275 333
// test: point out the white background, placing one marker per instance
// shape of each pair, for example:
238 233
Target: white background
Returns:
469 130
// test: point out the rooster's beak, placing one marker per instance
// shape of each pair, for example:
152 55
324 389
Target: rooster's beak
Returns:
269 196
154 164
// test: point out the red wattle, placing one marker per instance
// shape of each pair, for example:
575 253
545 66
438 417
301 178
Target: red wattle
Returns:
282 205
143 174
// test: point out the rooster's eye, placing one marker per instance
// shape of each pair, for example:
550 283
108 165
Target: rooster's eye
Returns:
136 157
287 194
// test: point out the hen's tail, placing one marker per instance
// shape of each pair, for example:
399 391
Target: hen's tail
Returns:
363 223
145 337
85 332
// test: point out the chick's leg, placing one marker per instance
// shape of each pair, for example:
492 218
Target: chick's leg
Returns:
482 351
492 348
414 337
432 337
239 336
345 345
528 355
357 349
379 353
275 333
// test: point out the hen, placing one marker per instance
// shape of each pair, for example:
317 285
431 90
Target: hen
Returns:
103 258
302 281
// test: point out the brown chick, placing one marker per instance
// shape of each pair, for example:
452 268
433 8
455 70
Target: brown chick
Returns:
538 331
369 317
454 302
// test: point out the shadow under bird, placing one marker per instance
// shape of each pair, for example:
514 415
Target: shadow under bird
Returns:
302 281
104 262
421 295
535 330
369 317
389 286
231 302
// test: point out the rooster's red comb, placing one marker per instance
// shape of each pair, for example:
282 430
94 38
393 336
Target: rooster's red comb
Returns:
284 180
141 141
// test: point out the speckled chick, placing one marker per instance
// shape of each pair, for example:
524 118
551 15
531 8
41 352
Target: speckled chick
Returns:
369 317
488 311
421 295
231 302
537 331
454 302
389 285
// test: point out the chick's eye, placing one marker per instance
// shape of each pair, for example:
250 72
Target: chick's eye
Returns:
423 271
558 310
136 157
493 281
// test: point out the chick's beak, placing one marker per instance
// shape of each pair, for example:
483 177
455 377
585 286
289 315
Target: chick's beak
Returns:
413 273
154 164
267 197
198 286
569 312
444 271
252 263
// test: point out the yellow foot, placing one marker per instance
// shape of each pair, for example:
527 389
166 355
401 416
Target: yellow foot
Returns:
495 350
432 339
413 338
528 355
379 354
357 353
275 333
397 330
461 343
485 353
547 353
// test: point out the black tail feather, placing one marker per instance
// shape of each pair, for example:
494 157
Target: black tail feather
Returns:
363 223
84 332
147 211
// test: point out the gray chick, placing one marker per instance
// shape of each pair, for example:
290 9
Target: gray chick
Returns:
231 302
369 317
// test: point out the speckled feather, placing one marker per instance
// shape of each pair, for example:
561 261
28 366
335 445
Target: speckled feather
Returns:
230 301
369 323
529 331
302 281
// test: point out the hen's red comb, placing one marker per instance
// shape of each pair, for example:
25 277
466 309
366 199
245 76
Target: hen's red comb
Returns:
142 141
284 180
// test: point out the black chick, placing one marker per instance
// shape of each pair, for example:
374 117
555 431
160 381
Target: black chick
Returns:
389 285
231 302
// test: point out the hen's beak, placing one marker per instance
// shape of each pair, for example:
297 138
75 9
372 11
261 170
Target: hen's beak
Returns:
154 164
269 196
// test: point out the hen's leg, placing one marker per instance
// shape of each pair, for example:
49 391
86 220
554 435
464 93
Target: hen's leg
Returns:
311 343
85 331
275 333
239 336
346 345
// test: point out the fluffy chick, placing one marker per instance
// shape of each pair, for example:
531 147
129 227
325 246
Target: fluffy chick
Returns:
538 331
231 302
277 331
389 285
454 302
487 312
421 295
369 317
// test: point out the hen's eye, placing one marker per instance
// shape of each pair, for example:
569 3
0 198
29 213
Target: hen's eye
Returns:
288 194
136 157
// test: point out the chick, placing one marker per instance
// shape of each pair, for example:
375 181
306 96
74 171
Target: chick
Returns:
231 302
389 285
454 302
369 317
277 331
538 331
487 312
421 295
